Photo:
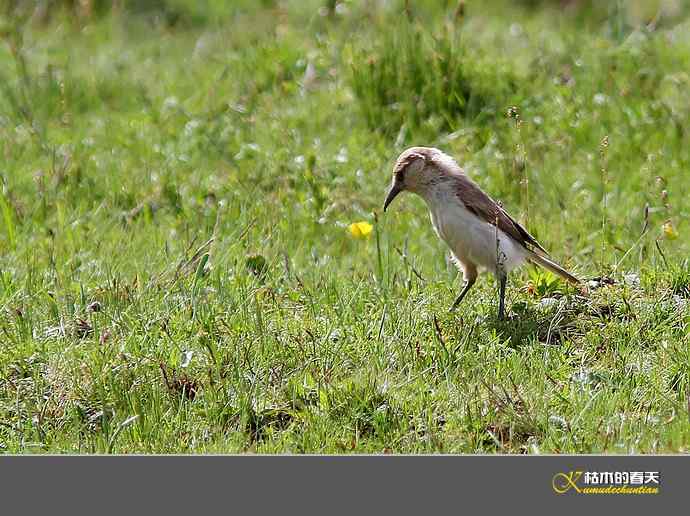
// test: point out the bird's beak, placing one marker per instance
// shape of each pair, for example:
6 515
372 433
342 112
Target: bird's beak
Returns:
392 194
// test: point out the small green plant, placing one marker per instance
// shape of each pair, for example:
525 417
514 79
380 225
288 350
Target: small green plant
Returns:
543 283
257 265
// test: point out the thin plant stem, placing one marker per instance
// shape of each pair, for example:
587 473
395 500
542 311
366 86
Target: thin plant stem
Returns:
603 147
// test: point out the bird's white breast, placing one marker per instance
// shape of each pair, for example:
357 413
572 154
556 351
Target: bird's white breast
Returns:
470 238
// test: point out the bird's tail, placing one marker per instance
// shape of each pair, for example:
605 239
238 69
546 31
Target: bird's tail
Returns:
553 267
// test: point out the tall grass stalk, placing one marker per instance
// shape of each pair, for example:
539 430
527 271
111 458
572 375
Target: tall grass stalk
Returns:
520 163
8 219
603 155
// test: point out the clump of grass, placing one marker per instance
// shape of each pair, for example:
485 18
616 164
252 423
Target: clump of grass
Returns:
680 280
363 407
415 77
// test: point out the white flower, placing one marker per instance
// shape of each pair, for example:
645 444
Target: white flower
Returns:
600 99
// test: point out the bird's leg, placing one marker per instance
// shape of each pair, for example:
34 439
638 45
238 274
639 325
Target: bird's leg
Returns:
468 285
502 295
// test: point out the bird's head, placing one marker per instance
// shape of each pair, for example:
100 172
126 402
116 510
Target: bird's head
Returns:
416 170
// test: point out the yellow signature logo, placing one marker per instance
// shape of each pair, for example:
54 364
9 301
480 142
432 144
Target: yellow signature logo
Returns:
593 485
564 482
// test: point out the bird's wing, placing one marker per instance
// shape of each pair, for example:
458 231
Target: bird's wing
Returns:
484 207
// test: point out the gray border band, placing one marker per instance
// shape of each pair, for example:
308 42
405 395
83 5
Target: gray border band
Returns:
325 485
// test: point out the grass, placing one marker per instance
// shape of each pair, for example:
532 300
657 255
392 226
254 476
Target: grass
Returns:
178 179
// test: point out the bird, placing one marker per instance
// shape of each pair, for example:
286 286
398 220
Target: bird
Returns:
482 237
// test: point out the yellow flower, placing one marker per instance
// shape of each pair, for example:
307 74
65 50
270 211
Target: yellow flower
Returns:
360 229
669 231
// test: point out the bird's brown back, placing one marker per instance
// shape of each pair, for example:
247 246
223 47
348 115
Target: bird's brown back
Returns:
484 207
